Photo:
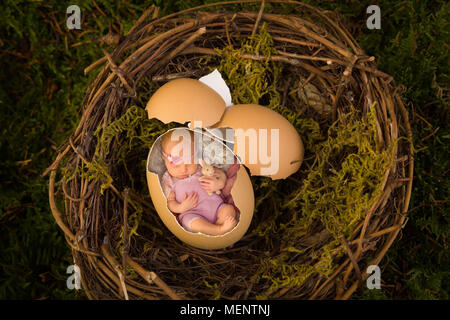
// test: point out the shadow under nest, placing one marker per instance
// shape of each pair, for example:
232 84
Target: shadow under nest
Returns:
313 234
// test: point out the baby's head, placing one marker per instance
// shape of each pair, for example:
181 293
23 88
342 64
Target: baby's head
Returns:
178 153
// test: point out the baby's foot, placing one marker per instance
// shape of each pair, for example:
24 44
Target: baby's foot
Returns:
228 224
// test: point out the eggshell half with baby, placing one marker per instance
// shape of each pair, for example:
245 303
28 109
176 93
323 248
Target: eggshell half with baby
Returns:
261 140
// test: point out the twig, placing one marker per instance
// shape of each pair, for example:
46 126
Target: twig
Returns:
119 72
94 65
180 48
430 135
171 76
142 18
109 257
56 213
152 277
227 31
353 260
258 19
125 234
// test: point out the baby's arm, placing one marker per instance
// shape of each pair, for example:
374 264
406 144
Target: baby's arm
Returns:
189 202
214 183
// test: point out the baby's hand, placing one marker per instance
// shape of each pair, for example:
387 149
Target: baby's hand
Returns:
189 202
212 184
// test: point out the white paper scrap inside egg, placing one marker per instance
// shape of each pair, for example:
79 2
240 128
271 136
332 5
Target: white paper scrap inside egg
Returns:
215 81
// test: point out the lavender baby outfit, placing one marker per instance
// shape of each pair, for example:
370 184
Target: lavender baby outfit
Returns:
207 205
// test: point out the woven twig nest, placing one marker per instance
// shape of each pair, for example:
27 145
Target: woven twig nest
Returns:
299 245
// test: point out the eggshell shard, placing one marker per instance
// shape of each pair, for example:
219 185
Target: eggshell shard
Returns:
243 197
265 141
186 100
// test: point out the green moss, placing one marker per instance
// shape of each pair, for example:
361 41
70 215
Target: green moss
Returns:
215 288
250 80
281 272
344 181
285 275
97 171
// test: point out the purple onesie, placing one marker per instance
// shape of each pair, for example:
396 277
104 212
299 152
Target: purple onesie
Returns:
207 205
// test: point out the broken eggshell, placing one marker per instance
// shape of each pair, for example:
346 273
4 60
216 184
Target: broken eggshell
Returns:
241 192
258 131
190 100
264 140
183 100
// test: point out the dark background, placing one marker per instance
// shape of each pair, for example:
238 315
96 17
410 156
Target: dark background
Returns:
42 85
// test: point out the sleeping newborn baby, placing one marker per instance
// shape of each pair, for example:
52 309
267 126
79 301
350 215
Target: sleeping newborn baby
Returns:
187 191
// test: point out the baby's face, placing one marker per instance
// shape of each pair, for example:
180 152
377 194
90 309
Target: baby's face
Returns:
181 169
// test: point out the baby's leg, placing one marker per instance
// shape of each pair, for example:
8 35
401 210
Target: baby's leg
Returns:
206 227
226 217
226 210
226 220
